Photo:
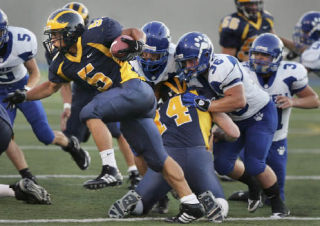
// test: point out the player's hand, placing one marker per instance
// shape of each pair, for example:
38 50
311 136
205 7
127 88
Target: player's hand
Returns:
200 102
284 102
135 46
64 118
15 98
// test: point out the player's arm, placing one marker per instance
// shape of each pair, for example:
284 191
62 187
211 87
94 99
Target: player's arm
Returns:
43 90
298 49
34 73
135 33
66 95
307 98
233 99
227 129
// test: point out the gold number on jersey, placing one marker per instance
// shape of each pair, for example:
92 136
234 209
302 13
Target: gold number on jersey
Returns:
230 22
243 54
161 127
100 80
95 23
176 108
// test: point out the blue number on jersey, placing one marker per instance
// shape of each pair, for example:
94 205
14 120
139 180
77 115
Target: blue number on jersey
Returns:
293 66
6 77
22 37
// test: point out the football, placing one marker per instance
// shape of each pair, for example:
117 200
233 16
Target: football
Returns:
118 44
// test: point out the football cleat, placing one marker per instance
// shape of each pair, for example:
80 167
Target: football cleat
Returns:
125 205
279 209
239 196
79 155
188 213
212 208
134 178
253 205
161 206
109 176
30 192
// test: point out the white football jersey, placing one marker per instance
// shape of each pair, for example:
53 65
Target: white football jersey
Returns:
226 72
290 78
170 67
310 58
21 47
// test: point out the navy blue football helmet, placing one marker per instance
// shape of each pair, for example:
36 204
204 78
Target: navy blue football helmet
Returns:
268 45
193 45
81 9
3 28
157 44
249 8
307 29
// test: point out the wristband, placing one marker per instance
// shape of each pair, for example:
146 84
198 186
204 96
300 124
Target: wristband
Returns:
66 105
27 88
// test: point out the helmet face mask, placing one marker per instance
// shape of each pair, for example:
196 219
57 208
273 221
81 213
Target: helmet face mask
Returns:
249 8
265 54
3 28
193 53
307 30
65 24
154 57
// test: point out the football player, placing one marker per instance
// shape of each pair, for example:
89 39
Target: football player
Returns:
287 84
19 71
306 41
238 30
117 94
72 126
26 189
250 108
157 64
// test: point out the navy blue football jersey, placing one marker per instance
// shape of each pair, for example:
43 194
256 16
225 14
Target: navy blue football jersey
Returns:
179 125
93 66
236 31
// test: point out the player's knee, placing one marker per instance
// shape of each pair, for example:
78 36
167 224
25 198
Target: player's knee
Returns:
254 166
45 134
223 167
87 113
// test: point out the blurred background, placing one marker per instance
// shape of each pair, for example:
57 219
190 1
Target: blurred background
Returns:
181 16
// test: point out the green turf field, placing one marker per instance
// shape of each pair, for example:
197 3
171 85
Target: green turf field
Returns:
74 205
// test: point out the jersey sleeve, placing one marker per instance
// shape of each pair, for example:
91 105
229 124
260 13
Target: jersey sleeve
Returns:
225 73
310 57
301 79
53 74
104 30
27 44
229 32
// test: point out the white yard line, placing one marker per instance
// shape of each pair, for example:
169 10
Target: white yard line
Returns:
73 176
94 148
147 219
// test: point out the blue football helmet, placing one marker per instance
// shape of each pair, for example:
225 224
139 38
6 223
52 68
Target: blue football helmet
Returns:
270 46
307 30
157 44
3 28
193 45
81 9
249 8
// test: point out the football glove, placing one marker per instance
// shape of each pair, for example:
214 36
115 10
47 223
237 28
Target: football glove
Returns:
15 98
200 102
135 46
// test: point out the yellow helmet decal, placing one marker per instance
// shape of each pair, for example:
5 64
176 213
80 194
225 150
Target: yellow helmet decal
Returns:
54 24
